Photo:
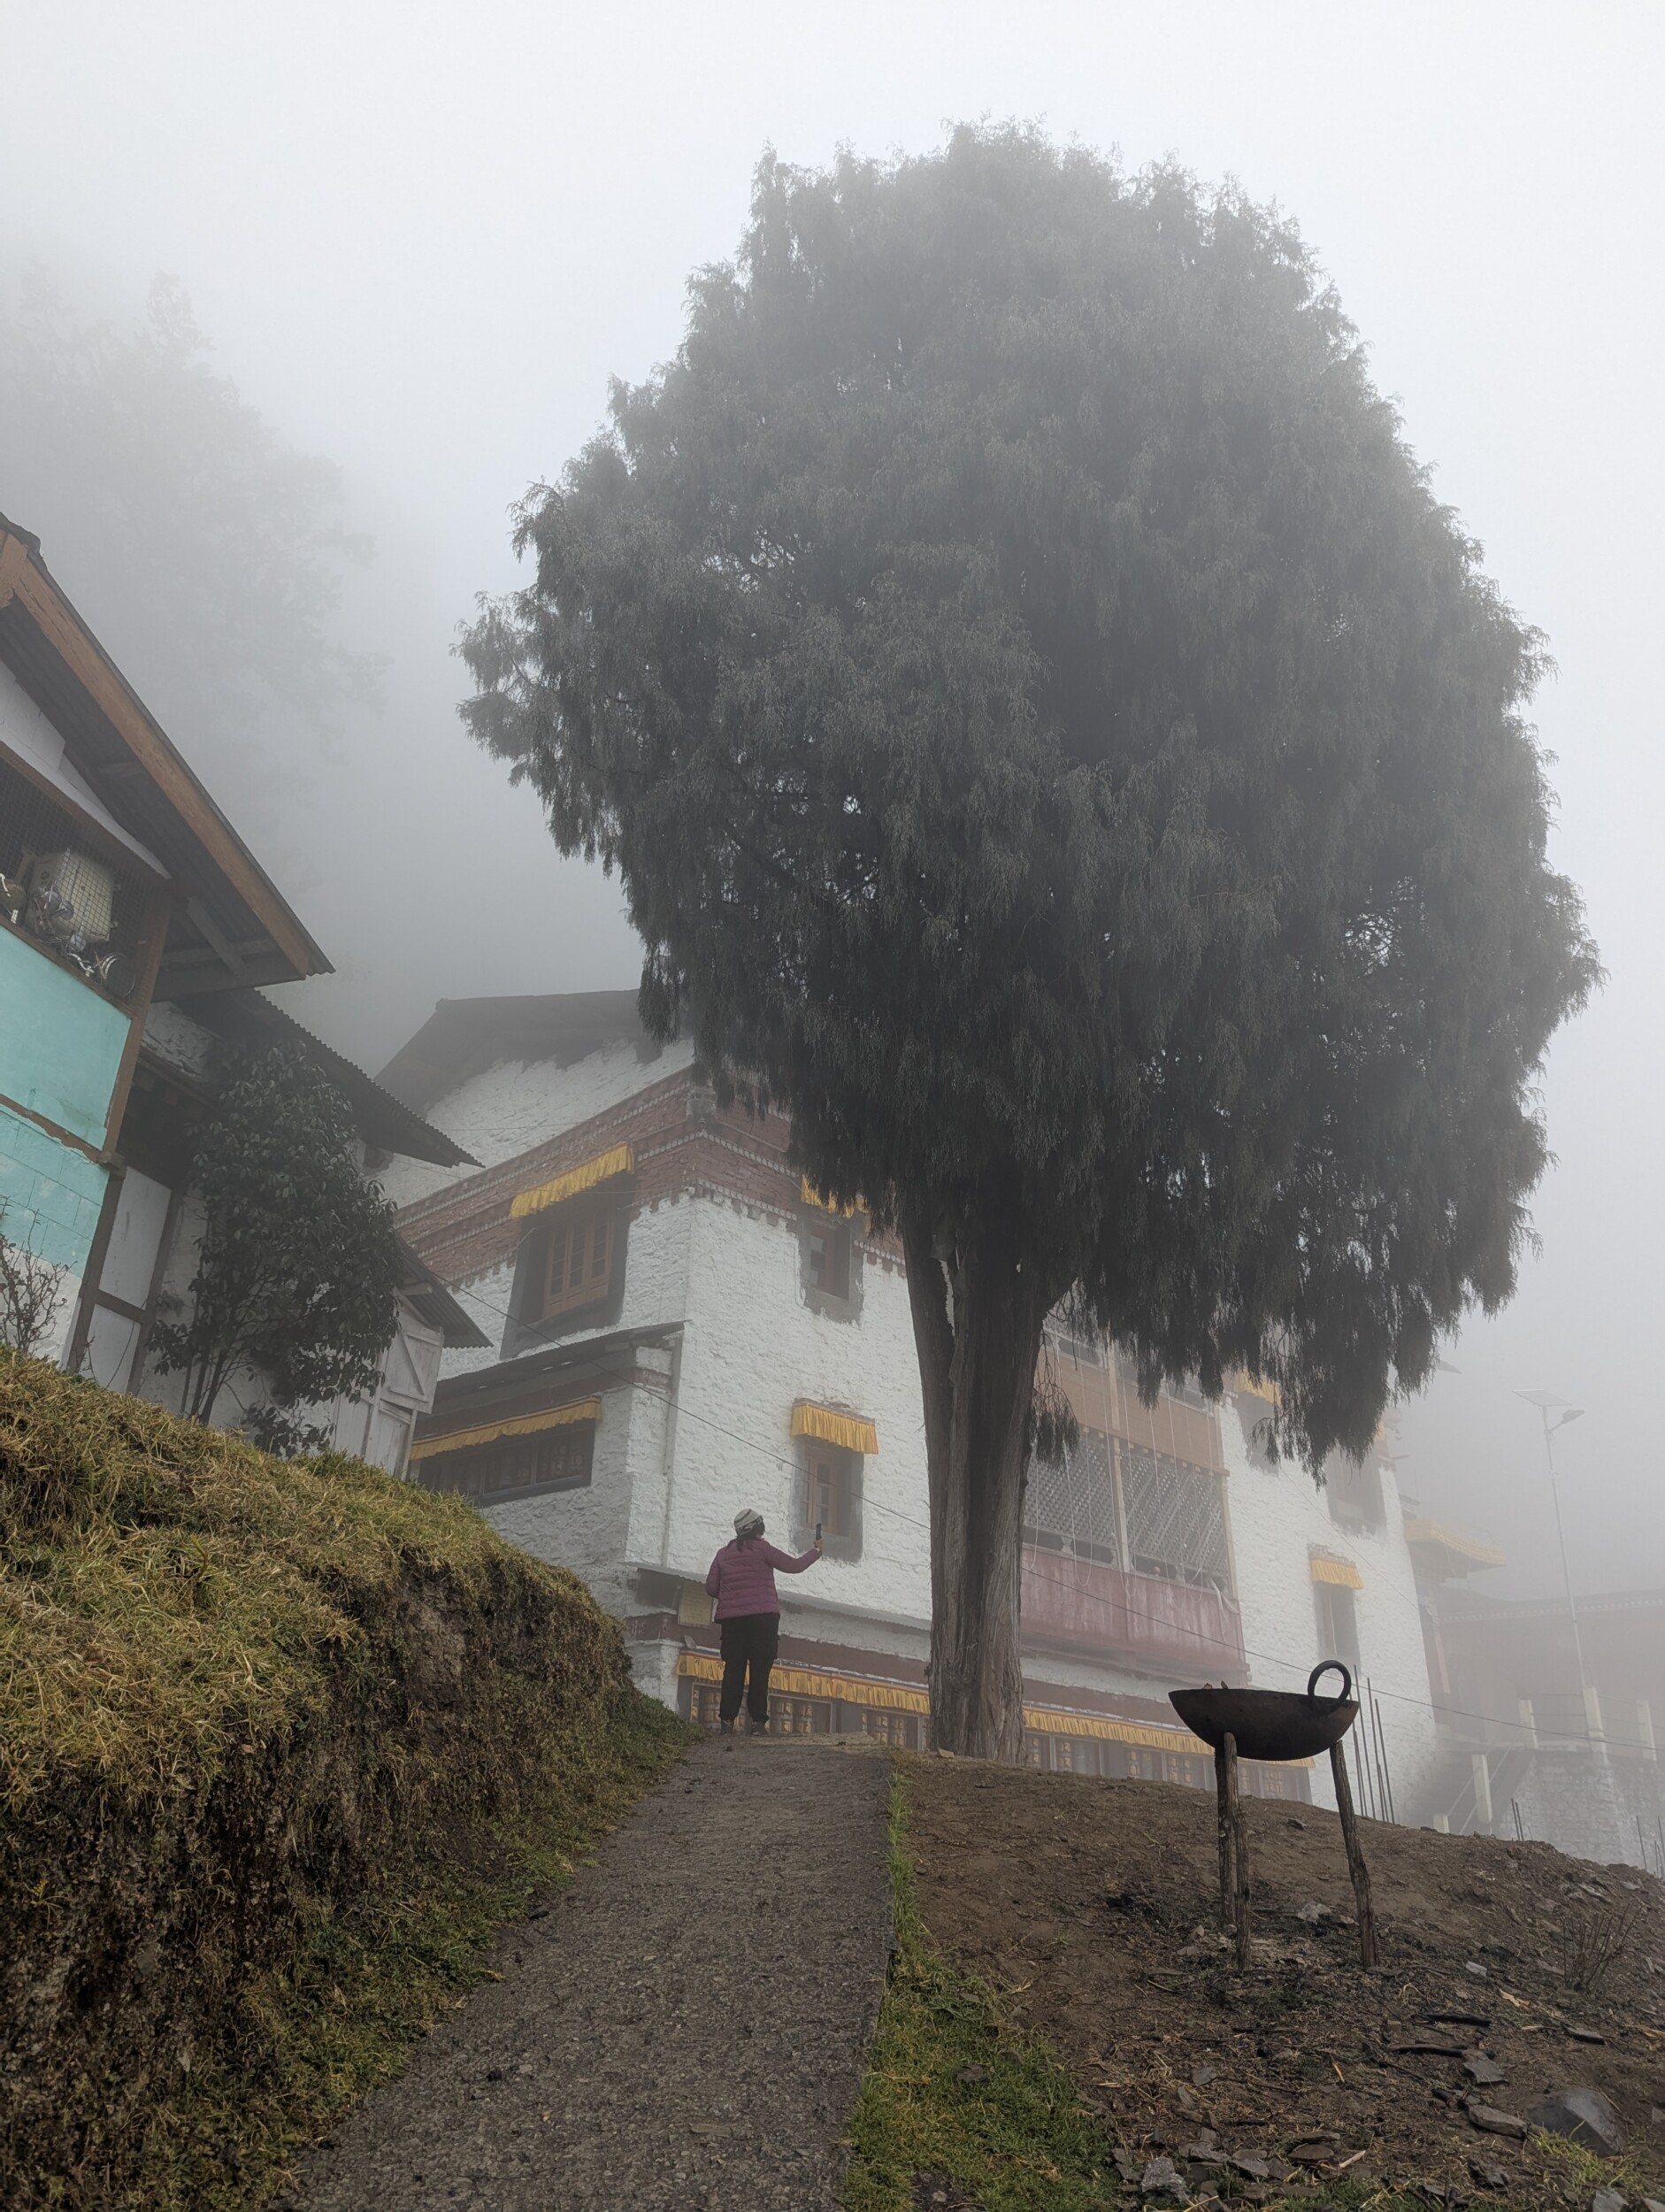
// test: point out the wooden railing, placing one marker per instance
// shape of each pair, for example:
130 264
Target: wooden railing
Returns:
1093 1608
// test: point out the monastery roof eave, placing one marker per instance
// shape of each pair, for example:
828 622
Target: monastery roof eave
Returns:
554 1359
464 1036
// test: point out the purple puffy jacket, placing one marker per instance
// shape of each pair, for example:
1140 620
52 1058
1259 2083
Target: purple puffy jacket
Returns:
742 1577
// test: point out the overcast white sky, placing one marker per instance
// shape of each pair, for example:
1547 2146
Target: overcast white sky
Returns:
423 237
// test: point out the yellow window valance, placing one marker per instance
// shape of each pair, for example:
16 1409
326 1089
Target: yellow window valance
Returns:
620 1161
847 1430
896 1697
1342 1573
810 1196
1239 1380
520 1425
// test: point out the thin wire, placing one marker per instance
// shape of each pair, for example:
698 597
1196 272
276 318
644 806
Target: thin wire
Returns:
1270 1659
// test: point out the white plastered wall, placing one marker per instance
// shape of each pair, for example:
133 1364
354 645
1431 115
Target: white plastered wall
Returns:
1279 1517
585 1529
753 1345
508 1108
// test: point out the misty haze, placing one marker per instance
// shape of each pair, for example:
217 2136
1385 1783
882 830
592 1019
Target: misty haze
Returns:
359 369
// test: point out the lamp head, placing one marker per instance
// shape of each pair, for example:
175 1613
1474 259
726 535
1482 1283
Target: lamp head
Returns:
1573 1413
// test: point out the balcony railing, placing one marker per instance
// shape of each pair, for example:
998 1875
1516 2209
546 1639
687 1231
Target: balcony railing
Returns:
1090 1607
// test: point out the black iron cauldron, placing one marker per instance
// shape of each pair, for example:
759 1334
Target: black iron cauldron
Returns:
1271 1725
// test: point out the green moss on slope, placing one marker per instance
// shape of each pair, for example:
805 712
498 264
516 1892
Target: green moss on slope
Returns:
279 1744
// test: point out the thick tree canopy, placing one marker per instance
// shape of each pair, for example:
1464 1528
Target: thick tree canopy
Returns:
1057 746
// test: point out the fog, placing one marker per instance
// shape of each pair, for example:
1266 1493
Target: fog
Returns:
422 239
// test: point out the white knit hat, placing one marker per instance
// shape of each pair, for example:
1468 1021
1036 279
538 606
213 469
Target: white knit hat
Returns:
749 1523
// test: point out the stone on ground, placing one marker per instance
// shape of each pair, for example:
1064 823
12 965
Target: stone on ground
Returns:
1582 2116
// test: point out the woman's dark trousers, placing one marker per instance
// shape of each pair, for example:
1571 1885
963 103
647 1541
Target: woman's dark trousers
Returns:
750 1640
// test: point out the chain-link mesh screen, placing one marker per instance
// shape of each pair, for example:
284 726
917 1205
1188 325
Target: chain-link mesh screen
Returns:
1176 1517
1076 1501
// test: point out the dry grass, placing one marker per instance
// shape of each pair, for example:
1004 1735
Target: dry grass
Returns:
278 1743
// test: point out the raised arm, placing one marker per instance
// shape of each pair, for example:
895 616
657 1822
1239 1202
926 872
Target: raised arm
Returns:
783 1563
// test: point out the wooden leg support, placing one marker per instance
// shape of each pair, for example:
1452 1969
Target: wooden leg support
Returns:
1233 1803
1228 1844
1356 1866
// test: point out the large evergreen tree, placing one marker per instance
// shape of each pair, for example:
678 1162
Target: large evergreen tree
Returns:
1057 747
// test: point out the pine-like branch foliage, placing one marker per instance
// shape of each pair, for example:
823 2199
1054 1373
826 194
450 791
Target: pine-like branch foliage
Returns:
1055 744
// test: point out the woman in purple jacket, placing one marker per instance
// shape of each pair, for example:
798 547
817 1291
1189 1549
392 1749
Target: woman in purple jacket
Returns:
742 1581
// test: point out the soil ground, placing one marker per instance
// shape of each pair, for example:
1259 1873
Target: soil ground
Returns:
1093 1907
682 2030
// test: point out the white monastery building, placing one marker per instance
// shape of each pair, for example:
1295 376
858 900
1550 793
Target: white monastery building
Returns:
678 1328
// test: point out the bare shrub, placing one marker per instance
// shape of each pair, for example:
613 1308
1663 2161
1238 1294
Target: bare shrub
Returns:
1593 1940
31 1294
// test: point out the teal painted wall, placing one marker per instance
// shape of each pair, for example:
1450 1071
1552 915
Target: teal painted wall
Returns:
60 1041
60 1052
52 1193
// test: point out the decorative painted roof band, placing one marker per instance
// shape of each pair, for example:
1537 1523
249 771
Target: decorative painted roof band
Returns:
808 1682
1419 1530
522 1425
846 1430
620 1161
895 1697
1342 1573
810 1196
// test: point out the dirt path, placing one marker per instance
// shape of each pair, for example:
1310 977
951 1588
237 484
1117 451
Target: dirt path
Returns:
683 2031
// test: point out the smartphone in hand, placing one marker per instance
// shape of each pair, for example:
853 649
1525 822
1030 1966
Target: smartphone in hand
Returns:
818 1532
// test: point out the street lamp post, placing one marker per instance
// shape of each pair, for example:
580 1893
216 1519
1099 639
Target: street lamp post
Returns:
1544 1401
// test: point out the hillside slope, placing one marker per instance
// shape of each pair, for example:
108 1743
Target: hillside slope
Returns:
1088 1911
278 1745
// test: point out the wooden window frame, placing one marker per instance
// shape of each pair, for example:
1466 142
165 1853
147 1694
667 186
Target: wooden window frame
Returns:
835 1292
845 1470
1354 1495
1328 1600
835 1241
534 1317
576 1224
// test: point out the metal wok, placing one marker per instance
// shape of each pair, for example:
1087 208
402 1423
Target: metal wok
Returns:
1271 1724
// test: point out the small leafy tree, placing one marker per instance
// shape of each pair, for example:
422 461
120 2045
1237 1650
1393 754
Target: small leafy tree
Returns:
298 1272
1056 745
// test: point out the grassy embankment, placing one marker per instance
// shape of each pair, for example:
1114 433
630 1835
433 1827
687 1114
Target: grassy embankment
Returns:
1015 2137
279 1746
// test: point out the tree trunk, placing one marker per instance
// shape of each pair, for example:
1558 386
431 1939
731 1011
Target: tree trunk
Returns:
976 1319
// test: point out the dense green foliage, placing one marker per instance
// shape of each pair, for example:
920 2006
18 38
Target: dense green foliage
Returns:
279 1744
299 1265
1054 742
